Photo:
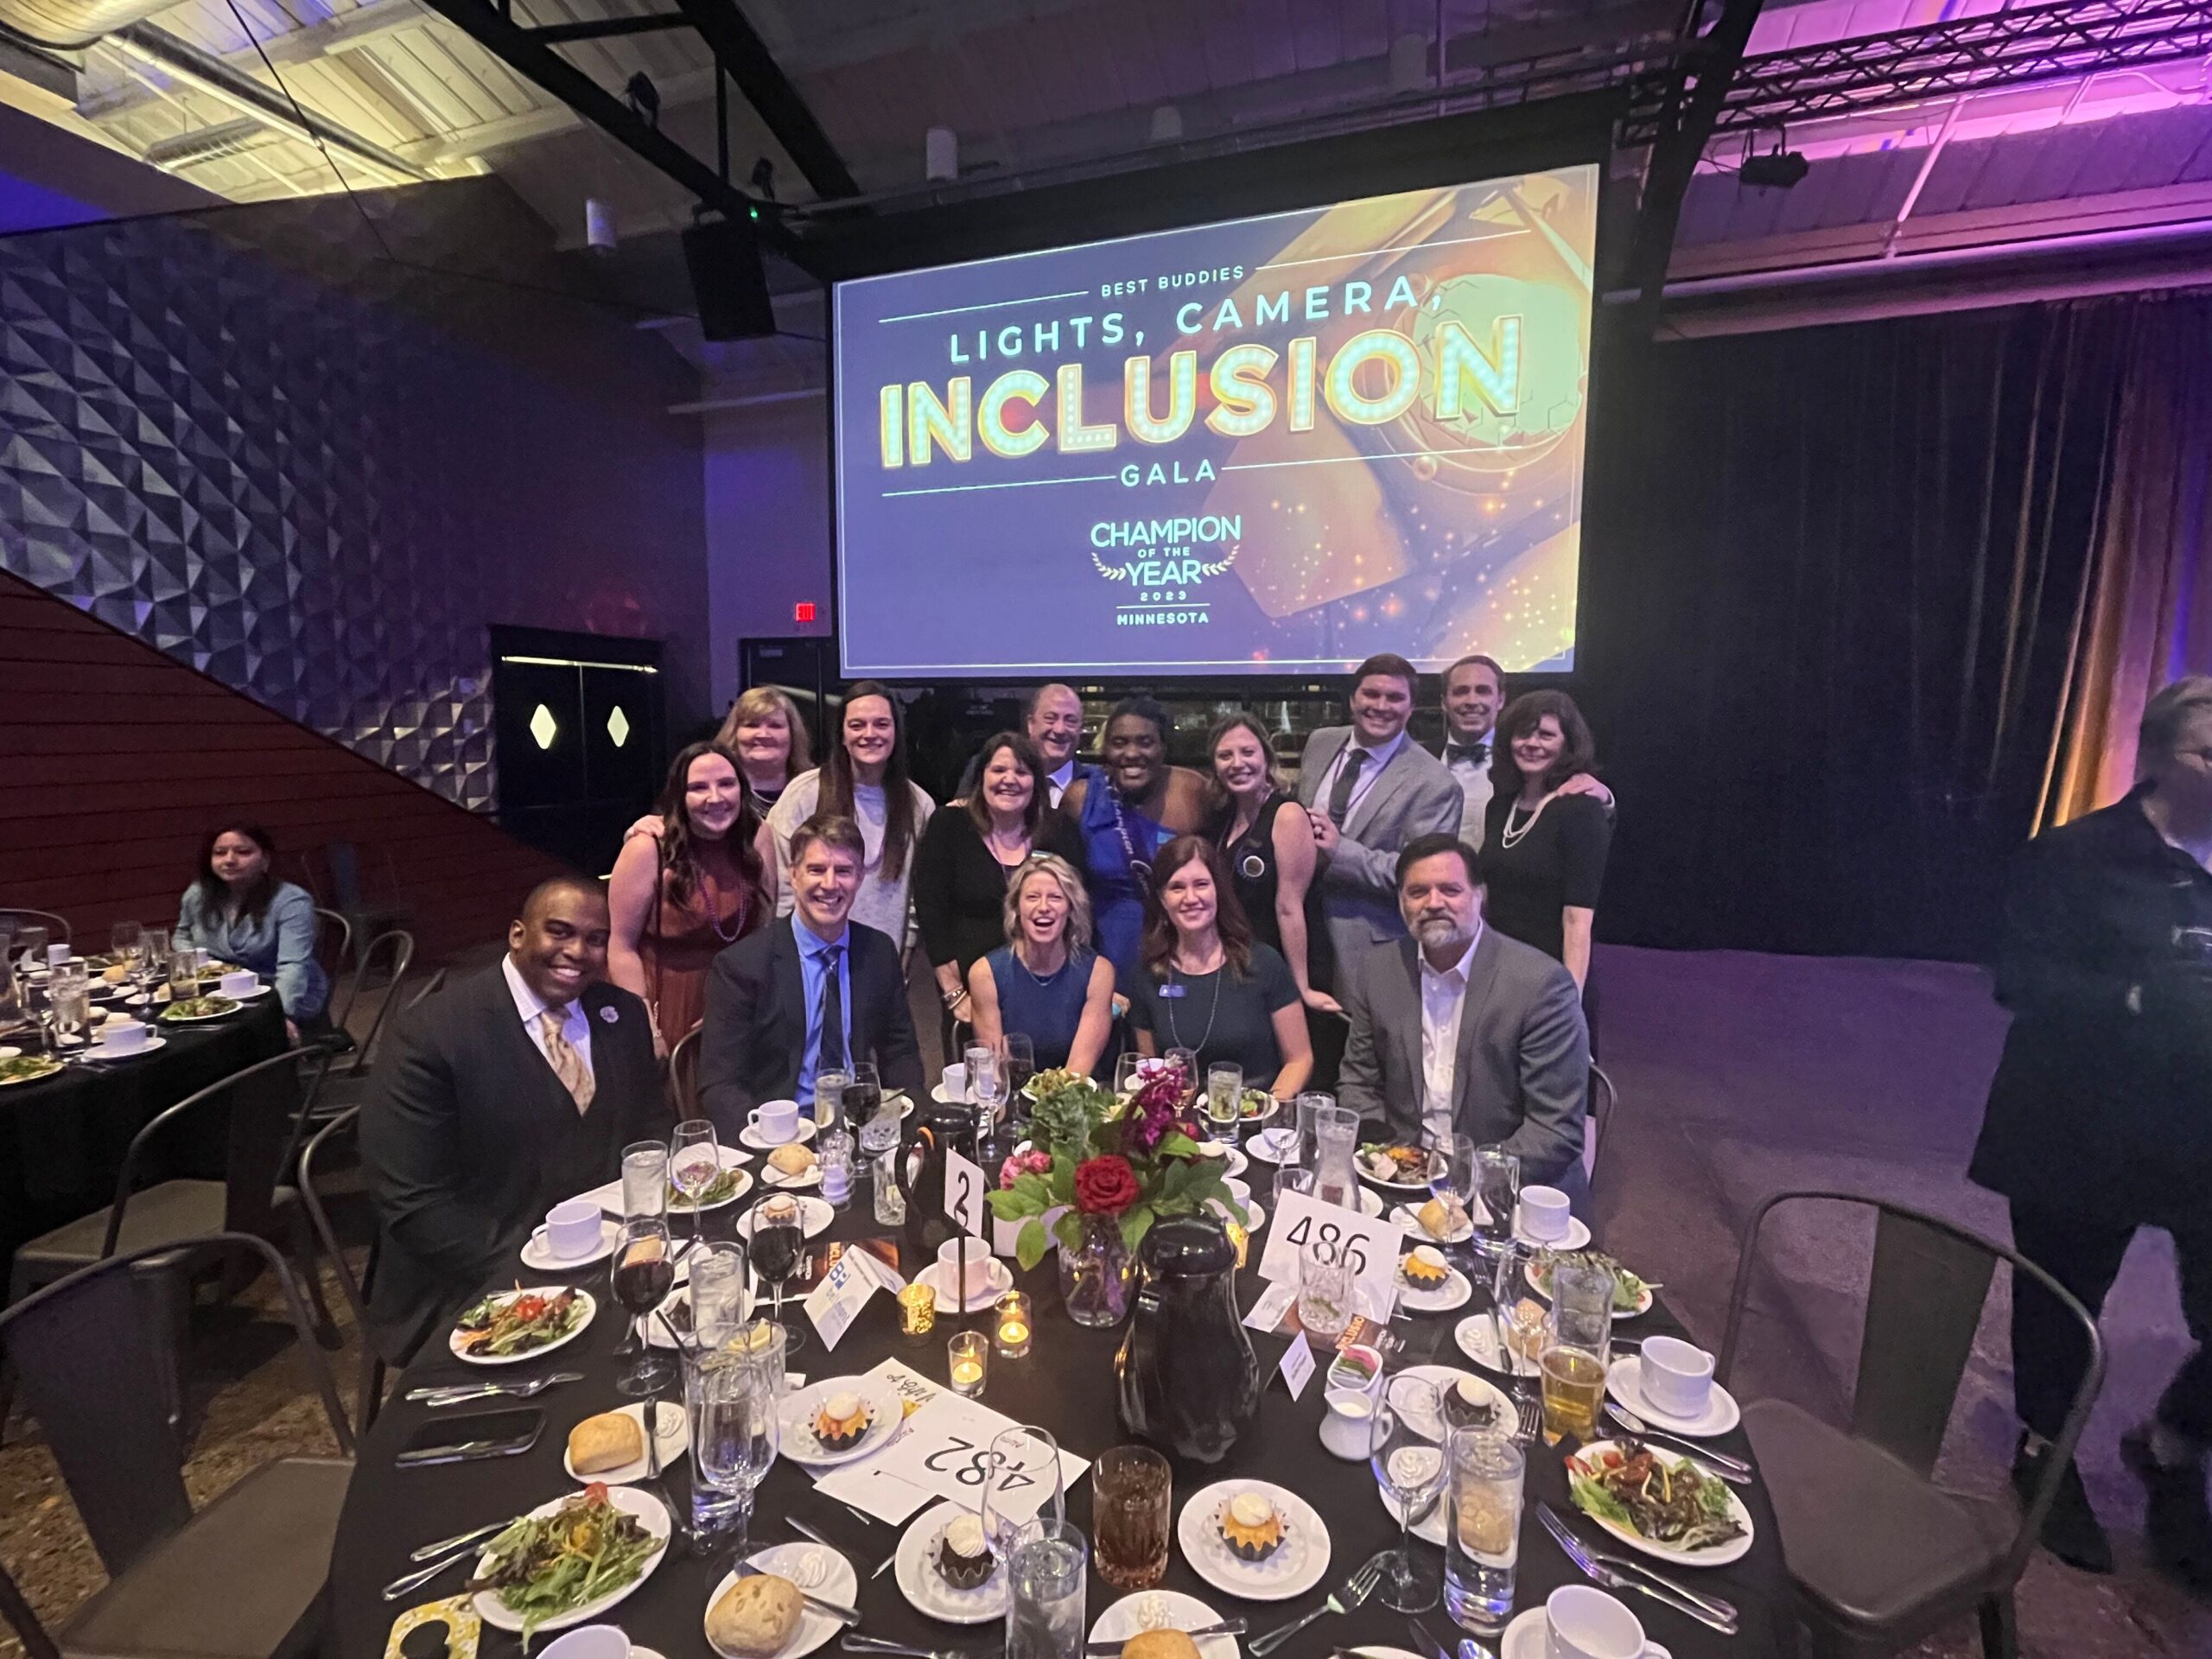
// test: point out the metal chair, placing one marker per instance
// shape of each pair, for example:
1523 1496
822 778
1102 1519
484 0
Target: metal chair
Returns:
1880 1556
387 955
318 1183
431 987
331 924
1602 1098
683 1073
241 1579
57 927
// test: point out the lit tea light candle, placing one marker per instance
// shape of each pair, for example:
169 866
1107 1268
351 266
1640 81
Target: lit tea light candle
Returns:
1013 1322
969 1359
1240 1239
917 1310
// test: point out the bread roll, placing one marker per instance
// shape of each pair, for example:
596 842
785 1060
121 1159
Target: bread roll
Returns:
606 1441
791 1160
1159 1644
755 1617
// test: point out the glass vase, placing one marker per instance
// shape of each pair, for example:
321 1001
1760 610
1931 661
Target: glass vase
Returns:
1095 1275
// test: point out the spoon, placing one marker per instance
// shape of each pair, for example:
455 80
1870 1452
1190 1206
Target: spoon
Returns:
1636 1426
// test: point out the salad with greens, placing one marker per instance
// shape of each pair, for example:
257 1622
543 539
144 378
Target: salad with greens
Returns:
199 1007
1671 1504
1631 1294
517 1322
544 1566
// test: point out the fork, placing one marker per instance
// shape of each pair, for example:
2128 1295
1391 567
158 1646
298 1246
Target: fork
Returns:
1706 1609
452 1393
1350 1595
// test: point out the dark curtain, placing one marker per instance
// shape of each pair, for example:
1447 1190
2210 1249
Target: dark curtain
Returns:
1830 586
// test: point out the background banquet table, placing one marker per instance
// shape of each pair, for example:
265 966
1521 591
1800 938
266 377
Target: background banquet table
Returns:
1065 1385
62 1138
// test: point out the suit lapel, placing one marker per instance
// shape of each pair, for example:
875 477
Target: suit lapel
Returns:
1387 784
1409 1027
1482 973
524 1059
1309 777
786 973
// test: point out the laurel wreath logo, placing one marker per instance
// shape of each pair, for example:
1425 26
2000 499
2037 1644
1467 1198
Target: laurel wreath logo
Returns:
1128 572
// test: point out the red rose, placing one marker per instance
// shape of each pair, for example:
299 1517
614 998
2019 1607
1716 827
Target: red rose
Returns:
1104 1185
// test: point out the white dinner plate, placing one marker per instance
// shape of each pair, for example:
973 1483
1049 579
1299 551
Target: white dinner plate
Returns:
1623 1381
795 1419
169 1018
539 1259
1163 1610
815 1216
815 1569
925 1586
1276 1146
1402 1215
1295 1566
1543 1289
1719 1555
652 1516
591 1307
1000 1280
1444 1378
1456 1291
1234 1162
675 1437
1477 1340
1359 1168
752 1138
103 1052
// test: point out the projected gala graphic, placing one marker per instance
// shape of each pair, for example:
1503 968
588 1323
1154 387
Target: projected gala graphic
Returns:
1269 445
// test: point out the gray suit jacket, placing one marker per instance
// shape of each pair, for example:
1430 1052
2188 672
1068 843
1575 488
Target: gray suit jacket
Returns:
1522 1074
1412 796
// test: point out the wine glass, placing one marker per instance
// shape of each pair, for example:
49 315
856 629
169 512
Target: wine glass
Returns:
733 1436
126 940
1408 1465
695 1161
153 966
1497 1184
987 1087
1021 1487
778 1240
1125 1073
642 1273
1020 1063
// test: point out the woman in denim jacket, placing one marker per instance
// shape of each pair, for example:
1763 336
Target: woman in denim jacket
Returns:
238 911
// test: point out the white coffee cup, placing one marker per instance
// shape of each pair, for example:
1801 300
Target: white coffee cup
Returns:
1676 1377
56 954
955 1081
978 1279
1544 1214
1346 1424
123 1036
776 1122
572 1228
589 1640
1581 1623
244 983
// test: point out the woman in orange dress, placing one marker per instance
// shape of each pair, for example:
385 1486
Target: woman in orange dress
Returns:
680 898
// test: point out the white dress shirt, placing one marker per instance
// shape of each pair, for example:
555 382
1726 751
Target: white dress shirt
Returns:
1059 780
1474 782
1443 1000
575 1025
1376 759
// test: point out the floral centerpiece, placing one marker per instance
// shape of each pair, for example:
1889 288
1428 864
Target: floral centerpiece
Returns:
1097 1175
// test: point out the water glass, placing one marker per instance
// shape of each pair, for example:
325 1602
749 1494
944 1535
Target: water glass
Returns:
1482 1527
1326 1289
761 1345
1335 1131
126 940
1310 1107
1290 1179
152 967
1132 1507
1046 1582
1497 1190
695 1159
722 1299
71 1007
1451 1168
645 1178
1409 1467
733 1440
1225 1098
184 969
1582 1303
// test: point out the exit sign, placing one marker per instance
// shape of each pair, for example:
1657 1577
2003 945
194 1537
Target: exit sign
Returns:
804 611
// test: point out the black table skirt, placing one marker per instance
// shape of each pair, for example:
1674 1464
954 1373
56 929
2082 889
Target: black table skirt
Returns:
1067 1385
62 1138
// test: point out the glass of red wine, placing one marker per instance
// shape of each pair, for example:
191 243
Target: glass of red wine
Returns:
777 1245
642 1273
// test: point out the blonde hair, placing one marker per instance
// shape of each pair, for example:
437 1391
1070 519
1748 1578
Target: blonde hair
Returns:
757 705
1077 932
2166 719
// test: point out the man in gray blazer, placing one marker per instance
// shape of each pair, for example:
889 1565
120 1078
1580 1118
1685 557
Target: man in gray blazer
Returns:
1368 790
1460 1028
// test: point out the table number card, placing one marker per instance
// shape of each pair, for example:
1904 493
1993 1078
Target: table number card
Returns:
1369 1243
946 1449
834 1303
964 1188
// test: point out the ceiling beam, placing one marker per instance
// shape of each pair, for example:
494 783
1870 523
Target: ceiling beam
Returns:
345 33
745 58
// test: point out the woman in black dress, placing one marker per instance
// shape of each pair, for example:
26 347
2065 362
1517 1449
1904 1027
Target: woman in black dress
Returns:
1267 844
1543 854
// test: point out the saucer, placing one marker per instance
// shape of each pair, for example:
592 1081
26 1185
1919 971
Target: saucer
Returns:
1477 1340
538 1259
925 1587
1000 1280
752 1138
102 1052
1624 1382
1295 1566
1577 1236
1275 1145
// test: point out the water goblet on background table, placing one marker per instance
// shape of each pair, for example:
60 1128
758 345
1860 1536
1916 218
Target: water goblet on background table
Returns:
152 967
1022 1488
1125 1072
1410 1467
127 940
639 1278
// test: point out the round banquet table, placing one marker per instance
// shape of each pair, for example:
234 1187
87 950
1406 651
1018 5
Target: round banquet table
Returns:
62 1137
1064 1384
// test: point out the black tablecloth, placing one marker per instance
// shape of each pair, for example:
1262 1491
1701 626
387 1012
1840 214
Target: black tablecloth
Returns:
62 1138
1067 1385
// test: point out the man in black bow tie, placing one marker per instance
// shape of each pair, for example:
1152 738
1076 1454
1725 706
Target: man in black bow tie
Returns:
1474 691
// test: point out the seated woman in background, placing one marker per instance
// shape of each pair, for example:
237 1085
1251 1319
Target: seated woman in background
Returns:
968 856
1267 845
1123 816
1205 986
1046 980
677 898
1543 853
238 911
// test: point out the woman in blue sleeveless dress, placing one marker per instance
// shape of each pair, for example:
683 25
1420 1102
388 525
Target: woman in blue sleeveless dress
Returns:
1046 980
1141 803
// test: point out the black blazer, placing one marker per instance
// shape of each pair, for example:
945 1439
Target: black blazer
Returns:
468 1139
755 1030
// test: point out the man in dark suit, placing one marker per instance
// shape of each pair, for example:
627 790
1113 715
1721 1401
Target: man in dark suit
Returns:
2097 1122
512 1089
808 995
1459 1028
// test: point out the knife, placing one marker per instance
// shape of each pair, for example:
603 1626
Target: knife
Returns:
1222 1627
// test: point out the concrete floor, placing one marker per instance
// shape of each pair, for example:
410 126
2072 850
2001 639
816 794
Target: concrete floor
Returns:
1740 1075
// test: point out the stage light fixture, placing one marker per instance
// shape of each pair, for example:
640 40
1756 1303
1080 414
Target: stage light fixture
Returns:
1778 168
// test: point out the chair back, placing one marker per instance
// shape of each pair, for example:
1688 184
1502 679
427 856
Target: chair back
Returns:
684 1073
334 1139
1925 1292
88 1352
57 927
333 942
267 1103
431 987
1601 1100
386 957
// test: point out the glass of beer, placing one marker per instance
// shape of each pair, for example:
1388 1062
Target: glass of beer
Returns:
1573 1384
1131 1509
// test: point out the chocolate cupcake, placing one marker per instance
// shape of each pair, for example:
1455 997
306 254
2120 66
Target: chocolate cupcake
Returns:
963 1555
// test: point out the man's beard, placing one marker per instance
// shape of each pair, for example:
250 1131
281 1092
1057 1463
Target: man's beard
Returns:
1436 931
